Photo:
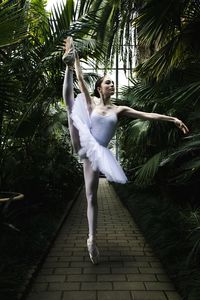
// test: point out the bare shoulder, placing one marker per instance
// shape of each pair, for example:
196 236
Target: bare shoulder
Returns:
119 109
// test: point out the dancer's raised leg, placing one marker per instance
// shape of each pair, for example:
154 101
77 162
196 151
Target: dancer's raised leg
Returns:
68 91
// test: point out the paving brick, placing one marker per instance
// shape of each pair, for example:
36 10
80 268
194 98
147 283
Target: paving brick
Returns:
97 270
111 277
141 264
67 271
71 258
80 264
162 277
45 296
146 295
113 295
50 278
120 286
82 277
111 253
80 295
145 258
79 253
125 270
96 286
122 258
114 264
102 259
173 296
72 286
152 270
55 264
141 277
159 286
156 264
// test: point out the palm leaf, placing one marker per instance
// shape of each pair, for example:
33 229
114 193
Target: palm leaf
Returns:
13 24
163 61
189 146
186 96
173 35
117 15
158 21
146 173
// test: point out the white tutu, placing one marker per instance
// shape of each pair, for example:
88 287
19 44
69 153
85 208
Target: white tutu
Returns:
100 157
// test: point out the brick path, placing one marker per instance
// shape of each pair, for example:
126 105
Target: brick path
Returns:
128 269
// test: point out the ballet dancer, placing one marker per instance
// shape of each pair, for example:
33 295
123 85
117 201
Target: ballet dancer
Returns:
91 127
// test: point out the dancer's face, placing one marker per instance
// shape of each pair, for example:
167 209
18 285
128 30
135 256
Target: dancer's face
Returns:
107 87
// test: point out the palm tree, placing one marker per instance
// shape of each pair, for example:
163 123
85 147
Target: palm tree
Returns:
114 28
167 73
167 82
31 80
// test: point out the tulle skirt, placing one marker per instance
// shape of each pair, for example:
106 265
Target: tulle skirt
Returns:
101 158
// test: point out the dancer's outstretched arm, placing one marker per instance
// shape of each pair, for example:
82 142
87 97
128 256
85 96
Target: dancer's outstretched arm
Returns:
82 84
130 112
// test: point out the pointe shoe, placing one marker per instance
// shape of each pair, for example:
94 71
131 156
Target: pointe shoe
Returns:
69 55
93 251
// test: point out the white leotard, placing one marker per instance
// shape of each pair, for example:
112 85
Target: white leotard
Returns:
103 127
95 132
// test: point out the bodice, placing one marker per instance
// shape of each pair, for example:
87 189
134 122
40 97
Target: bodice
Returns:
103 127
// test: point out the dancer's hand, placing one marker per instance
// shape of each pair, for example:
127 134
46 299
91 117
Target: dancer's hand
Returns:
181 125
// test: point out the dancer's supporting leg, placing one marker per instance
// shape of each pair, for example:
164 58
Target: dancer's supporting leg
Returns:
68 95
91 185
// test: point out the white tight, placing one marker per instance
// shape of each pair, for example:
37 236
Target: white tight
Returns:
91 185
91 177
68 96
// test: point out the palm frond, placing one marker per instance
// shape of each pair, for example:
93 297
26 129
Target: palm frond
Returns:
172 32
159 21
138 130
192 143
115 15
186 96
163 61
146 173
13 23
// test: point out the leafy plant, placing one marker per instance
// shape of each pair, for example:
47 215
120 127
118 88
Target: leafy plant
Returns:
172 231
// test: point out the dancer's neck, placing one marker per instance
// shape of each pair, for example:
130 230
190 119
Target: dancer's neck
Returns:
104 101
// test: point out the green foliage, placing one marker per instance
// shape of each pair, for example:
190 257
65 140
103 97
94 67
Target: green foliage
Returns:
13 26
167 82
115 15
172 231
172 35
45 171
31 76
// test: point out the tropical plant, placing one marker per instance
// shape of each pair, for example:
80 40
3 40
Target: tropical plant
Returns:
118 16
31 80
178 246
167 81
13 25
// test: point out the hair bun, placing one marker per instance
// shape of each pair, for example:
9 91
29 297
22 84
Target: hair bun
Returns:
97 85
